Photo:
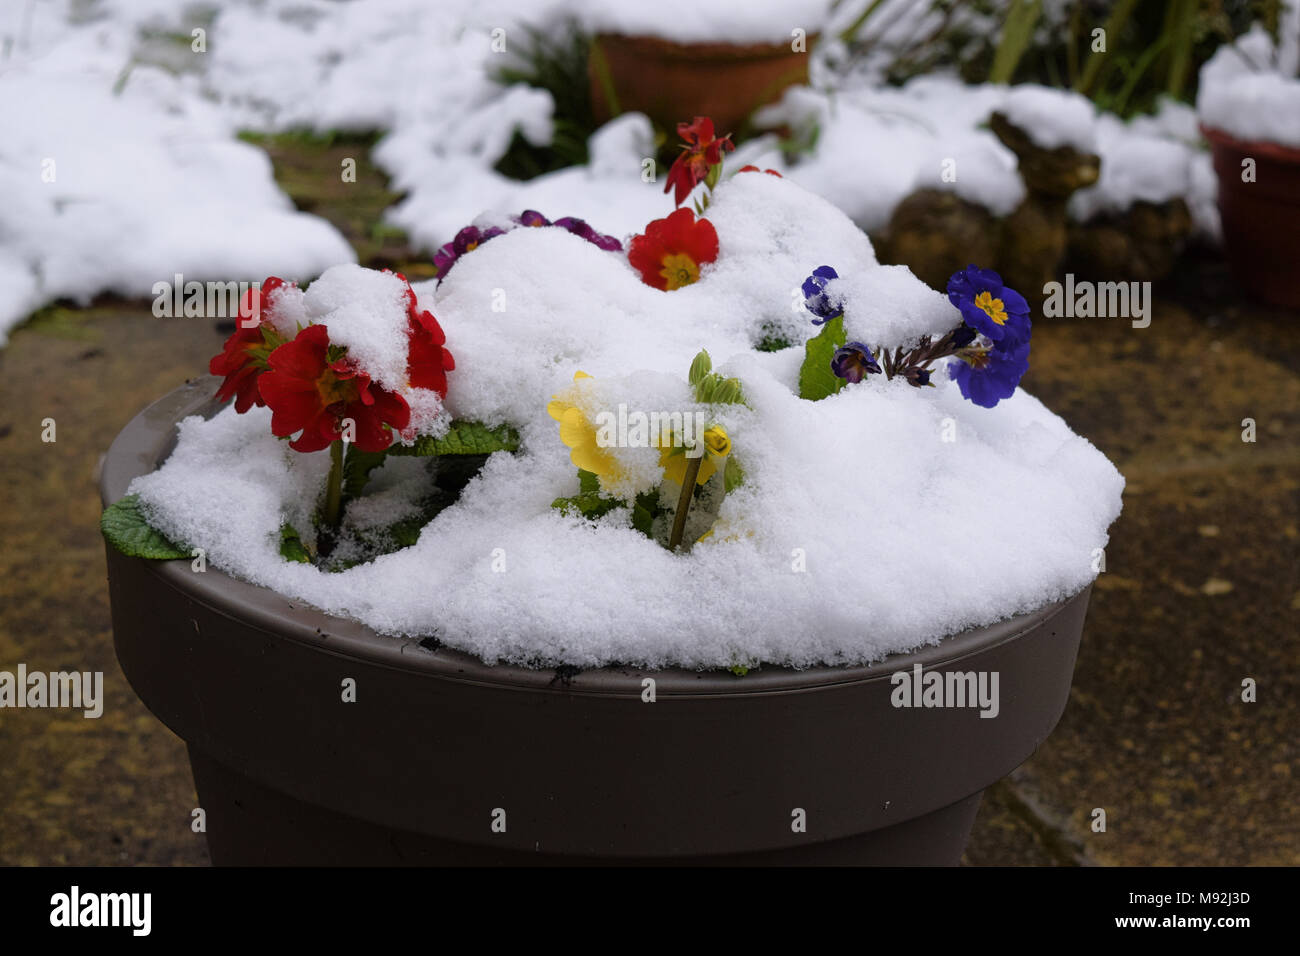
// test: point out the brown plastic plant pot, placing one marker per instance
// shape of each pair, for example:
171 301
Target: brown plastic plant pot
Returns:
1259 218
671 82
579 767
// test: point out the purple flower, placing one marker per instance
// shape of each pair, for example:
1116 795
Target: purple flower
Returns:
999 313
467 240
853 362
443 260
986 376
471 237
579 227
815 298
608 243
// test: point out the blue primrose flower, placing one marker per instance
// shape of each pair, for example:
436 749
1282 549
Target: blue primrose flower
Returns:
997 312
853 362
815 298
986 376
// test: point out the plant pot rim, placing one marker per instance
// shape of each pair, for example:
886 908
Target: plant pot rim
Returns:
1275 151
648 45
149 437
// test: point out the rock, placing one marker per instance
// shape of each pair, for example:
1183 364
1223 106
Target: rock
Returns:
1033 245
1054 173
1140 245
936 233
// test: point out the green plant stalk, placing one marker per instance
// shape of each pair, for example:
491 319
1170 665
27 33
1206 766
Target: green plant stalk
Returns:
1113 25
334 486
1120 105
684 501
601 67
1017 31
1072 45
1180 24
851 31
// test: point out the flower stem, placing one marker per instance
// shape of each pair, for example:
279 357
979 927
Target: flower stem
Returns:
684 501
334 488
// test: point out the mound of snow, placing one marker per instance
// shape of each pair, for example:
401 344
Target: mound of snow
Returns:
859 530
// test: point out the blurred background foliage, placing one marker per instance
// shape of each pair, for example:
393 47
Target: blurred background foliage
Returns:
1151 50
555 61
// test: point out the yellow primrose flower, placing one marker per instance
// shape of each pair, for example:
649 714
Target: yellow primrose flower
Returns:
717 446
717 441
580 436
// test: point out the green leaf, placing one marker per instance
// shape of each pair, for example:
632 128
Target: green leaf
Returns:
463 438
389 538
729 392
644 511
713 389
357 467
733 476
406 532
291 546
587 502
700 367
816 380
588 506
125 527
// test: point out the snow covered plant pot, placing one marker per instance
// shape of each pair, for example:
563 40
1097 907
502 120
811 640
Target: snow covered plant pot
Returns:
1249 106
658 77
666 60
800 606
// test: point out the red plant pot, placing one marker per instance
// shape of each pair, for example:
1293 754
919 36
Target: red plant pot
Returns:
671 82
1260 231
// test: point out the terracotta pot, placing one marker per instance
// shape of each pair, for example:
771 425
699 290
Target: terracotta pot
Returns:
1260 232
580 767
675 82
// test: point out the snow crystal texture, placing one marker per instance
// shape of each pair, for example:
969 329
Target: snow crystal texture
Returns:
859 531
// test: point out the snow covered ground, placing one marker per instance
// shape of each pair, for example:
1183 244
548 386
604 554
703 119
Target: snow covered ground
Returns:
116 174
120 166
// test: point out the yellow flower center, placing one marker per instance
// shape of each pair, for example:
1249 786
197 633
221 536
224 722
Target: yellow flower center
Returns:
992 307
679 270
333 389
